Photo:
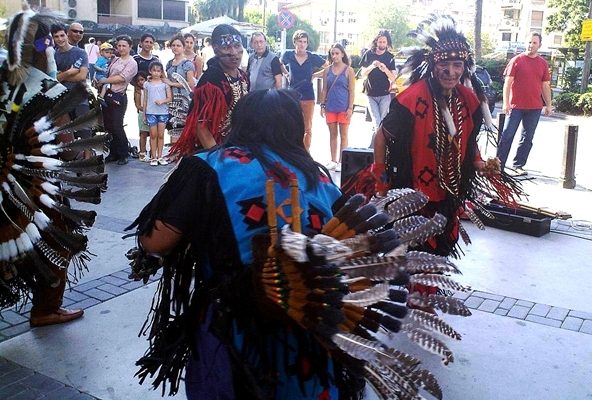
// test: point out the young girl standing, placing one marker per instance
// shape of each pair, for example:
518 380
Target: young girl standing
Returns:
157 95
337 101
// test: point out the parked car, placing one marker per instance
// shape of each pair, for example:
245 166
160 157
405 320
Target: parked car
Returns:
485 79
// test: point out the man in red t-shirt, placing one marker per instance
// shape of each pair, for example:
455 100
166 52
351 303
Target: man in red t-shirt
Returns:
526 85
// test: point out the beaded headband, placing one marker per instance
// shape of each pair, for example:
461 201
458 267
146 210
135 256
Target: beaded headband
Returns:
229 40
450 51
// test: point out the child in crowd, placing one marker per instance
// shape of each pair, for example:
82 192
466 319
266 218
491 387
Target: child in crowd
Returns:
138 82
101 68
157 95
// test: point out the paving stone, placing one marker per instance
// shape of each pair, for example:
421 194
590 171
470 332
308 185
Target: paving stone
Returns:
489 305
7 366
507 303
87 285
16 329
586 327
580 314
83 396
67 302
28 394
543 320
473 302
14 376
11 390
461 295
519 312
133 285
524 303
114 280
75 296
41 383
121 274
489 296
99 294
109 288
558 313
86 303
12 317
4 325
501 311
65 393
572 323
540 309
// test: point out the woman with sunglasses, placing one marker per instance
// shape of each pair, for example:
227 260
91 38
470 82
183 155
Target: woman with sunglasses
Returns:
121 71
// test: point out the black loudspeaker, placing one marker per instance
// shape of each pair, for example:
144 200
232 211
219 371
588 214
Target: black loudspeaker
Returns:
353 160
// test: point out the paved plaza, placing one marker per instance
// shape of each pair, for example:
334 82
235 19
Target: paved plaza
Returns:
530 336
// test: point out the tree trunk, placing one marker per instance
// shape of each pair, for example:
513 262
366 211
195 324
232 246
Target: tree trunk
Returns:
478 19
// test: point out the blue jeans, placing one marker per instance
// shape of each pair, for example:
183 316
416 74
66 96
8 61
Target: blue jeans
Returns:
91 71
530 120
379 108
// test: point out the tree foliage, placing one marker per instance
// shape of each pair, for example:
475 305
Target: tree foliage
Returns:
208 9
567 18
314 38
254 16
487 44
392 18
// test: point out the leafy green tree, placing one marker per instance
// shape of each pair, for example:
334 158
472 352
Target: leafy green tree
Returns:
392 18
254 16
568 18
487 44
208 9
314 38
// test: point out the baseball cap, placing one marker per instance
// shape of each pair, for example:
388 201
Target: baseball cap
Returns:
106 46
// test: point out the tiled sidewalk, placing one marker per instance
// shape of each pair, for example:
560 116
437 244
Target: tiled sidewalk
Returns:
19 383
544 314
14 322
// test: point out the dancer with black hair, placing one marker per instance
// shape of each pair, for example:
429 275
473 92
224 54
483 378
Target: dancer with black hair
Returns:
274 286
215 95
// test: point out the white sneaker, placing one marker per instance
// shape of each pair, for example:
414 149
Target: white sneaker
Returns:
519 171
154 162
331 165
162 161
338 167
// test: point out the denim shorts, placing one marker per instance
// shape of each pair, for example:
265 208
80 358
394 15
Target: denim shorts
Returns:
154 119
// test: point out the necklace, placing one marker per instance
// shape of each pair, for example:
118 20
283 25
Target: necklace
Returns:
448 146
238 87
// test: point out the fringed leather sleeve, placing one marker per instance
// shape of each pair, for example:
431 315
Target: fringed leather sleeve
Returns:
191 201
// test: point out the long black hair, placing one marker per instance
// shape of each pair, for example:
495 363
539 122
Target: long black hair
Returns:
273 118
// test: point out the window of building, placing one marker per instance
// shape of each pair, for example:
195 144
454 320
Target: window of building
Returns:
173 10
536 19
104 7
162 9
36 4
506 36
149 9
557 39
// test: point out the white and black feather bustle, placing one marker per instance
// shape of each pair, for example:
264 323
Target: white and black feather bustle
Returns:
42 172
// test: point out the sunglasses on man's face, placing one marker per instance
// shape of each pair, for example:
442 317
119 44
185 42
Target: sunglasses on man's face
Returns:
77 31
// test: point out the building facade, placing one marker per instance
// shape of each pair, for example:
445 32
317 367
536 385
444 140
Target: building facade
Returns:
106 18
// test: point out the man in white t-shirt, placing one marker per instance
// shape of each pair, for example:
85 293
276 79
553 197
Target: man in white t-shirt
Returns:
93 53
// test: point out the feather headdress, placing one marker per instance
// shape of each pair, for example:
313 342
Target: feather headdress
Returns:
39 171
441 41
